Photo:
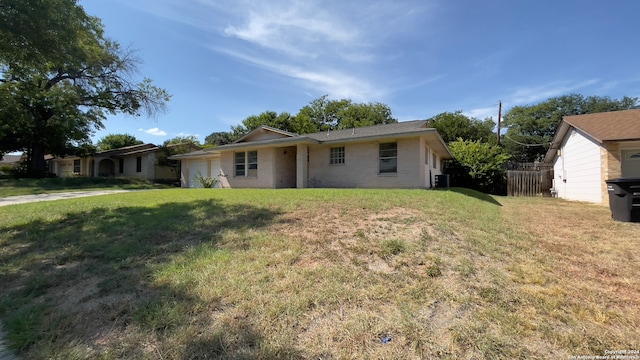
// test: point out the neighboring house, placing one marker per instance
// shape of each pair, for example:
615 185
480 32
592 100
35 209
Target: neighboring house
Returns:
589 149
8 162
139 161
401 155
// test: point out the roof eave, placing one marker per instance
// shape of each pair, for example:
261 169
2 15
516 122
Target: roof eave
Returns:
262 144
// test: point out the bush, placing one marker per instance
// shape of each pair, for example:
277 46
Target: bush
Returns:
477 166
207 182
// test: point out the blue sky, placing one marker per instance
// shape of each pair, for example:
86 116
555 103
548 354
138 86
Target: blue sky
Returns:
224 60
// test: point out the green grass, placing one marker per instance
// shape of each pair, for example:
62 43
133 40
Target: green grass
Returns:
13 187
316 273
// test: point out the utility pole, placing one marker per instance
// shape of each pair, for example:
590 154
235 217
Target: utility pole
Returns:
499 118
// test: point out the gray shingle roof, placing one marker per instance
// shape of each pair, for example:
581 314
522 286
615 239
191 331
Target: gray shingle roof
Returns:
405 128
10 159
606 126
613 125
370 131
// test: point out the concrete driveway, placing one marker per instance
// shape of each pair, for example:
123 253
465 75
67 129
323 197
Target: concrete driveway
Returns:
23 199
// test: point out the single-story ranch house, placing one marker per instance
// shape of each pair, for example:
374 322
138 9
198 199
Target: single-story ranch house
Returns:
589 149
138 161
401 155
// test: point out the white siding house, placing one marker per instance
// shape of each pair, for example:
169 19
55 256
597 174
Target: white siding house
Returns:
589 149
577 175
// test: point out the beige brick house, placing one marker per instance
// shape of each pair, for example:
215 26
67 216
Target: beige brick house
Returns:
401 155
589 149
138 161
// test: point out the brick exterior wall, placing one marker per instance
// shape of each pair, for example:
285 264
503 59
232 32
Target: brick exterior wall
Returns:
610 164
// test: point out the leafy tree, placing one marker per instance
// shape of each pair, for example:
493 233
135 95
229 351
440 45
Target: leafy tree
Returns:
323 114
360 115
178 140
175 146
219 138
452 126
319 115
530 129
280 121
59 77
114 141
477 165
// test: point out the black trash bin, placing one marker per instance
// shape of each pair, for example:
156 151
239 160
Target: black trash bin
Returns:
624 198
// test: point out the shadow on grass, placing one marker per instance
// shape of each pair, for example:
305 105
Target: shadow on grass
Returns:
86 279
476 194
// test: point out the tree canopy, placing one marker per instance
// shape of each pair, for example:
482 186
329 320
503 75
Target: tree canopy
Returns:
478 165
59 78
321 114
179 140
114 141
454 126
530 129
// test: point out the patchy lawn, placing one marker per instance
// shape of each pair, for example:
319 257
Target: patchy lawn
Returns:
317 274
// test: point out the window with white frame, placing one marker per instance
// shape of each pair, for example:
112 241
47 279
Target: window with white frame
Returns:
435 160
388 155
246 163
336 155
76 166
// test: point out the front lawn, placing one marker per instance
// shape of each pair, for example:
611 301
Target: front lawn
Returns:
13 187
317 274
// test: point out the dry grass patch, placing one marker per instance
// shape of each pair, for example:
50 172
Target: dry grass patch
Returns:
321 274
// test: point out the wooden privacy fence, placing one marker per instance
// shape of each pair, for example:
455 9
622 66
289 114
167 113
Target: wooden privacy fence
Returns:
529 183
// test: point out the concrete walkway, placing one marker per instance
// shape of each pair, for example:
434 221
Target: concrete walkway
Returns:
23 199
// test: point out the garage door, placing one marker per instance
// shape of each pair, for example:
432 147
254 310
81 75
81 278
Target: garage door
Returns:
197 167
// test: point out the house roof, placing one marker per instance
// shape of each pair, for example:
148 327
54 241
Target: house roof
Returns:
128 150
191 155
10 159
371 131
621 125
395 130
263 128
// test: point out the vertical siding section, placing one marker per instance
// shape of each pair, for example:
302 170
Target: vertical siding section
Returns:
558 183
581 170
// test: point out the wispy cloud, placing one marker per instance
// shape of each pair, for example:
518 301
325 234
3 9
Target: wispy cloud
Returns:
534 94
530 95
154 131
333 82
331 48
299 28
483 113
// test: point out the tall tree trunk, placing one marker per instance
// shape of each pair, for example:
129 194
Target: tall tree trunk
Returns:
36 166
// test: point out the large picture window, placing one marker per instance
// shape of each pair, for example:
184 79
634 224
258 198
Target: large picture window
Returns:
388 158
246 163
336 155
